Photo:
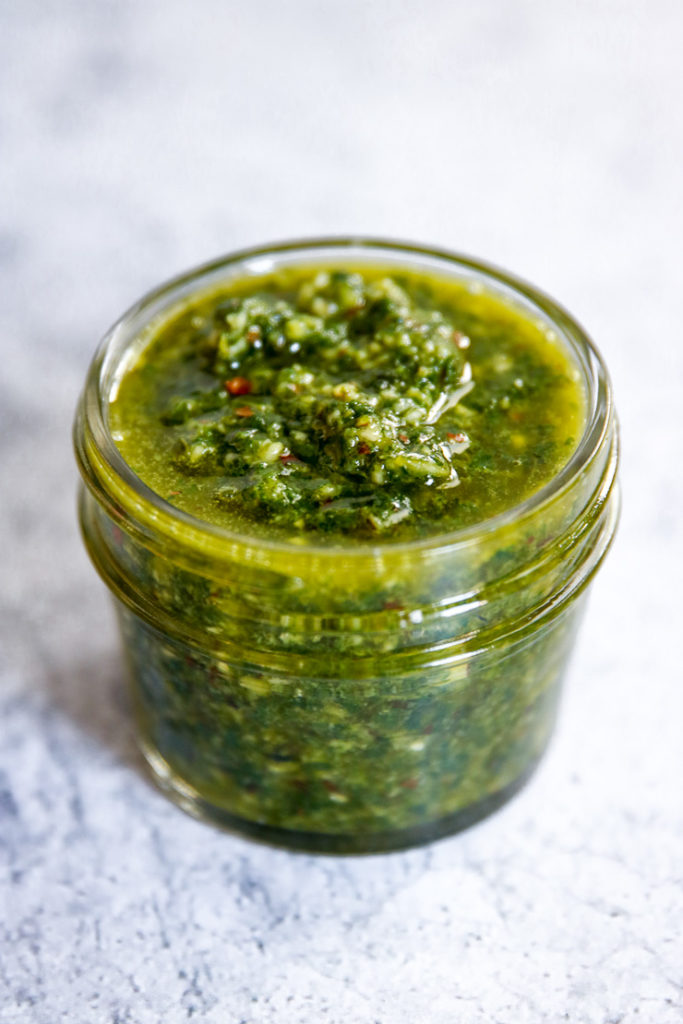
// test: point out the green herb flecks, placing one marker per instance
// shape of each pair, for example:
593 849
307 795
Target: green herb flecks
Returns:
348 403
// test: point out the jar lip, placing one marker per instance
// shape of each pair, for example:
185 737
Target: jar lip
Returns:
599 416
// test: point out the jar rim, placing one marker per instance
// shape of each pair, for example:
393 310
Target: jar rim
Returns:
199 533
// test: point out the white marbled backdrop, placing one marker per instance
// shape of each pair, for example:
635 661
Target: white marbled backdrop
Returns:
140 137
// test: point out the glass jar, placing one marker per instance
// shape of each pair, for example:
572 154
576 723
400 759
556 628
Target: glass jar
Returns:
349 698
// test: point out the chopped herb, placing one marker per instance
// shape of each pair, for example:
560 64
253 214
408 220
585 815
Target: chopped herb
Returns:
378 407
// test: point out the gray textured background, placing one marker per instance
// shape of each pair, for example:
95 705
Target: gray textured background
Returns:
137 138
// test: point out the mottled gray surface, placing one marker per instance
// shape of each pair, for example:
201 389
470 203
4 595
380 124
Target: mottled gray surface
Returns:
137 138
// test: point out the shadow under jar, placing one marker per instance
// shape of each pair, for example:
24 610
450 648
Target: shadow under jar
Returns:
346 696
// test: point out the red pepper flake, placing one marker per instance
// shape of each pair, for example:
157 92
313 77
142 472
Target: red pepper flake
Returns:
352 310
172 494
363 448
238 386
330 786
404 438
409 783
253 334
456 437
393 606
288 457
244 411
461 340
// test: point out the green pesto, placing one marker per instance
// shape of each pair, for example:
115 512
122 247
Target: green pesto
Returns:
348 403
352 763
357 709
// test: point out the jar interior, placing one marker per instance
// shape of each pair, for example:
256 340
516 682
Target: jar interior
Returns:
344 698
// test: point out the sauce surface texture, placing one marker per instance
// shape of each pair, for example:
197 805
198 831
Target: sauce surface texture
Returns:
359 402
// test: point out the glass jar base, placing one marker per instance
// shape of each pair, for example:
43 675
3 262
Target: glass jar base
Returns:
189 800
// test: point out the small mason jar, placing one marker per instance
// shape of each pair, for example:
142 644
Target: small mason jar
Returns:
352 698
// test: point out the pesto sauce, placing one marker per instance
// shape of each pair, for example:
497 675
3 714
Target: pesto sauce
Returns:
348 403
365 697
